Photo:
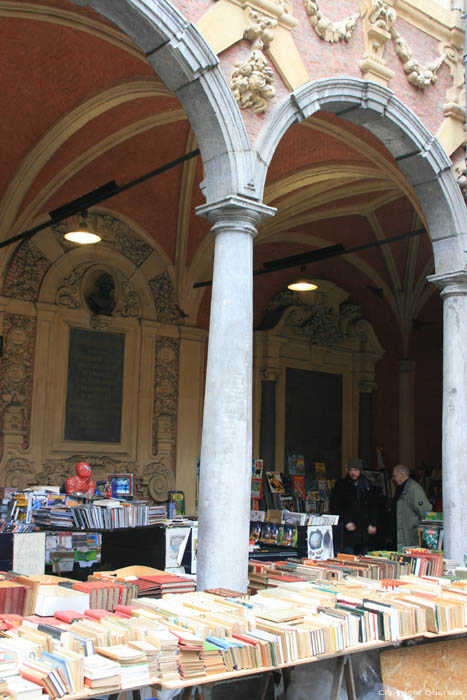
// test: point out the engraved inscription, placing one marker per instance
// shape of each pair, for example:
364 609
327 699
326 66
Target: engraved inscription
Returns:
94 387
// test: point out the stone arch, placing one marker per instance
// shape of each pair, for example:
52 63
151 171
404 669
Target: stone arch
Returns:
189 68
419 155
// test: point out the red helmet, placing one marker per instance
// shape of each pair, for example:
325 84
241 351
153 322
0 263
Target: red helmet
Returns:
83 470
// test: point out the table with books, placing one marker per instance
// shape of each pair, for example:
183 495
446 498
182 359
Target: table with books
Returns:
331 609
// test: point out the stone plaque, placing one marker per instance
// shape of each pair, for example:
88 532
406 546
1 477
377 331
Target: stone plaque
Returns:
94 387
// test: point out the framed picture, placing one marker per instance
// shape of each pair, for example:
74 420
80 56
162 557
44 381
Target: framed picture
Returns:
256 488
122 485
377 479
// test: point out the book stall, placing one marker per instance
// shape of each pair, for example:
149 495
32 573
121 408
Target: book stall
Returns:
134 626
138 626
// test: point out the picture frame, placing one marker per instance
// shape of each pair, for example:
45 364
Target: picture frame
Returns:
377 479
122 485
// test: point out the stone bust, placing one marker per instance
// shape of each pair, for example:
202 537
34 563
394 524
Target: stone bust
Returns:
102 300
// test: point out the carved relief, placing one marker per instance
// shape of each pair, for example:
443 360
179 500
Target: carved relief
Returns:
270 374
68 294
128 305
377 20
460 172
55 472
158 478
25 273
417 75
455 96
321 322
165 399
16 378
333 32
17 471
164 298
252 80
252 83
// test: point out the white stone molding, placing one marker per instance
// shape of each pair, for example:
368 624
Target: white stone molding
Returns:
186 64
419 154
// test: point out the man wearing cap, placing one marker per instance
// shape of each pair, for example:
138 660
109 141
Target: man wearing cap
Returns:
353 500
409 506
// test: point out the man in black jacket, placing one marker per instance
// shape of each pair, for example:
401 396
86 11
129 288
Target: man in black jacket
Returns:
353 499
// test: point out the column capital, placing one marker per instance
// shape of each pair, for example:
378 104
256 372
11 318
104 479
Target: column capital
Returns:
406 365
366 386
235 213
270 374
451 283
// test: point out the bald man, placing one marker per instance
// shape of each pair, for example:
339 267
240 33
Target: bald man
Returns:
410 505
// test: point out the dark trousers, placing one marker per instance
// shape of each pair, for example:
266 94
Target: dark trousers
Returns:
361 549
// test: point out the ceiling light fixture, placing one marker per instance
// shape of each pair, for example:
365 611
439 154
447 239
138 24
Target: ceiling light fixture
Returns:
302 284
82 234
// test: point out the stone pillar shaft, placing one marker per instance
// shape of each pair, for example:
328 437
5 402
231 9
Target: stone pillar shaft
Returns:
226 452
454 295
406 413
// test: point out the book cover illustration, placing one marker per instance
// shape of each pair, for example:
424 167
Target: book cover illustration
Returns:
298 486
256 488
257 469
319 541
320 471
289 535
178 497
275 482
296 465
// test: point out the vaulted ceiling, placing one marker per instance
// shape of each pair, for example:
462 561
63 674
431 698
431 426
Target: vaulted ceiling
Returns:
81 106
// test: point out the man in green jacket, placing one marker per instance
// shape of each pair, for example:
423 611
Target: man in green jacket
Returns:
411 504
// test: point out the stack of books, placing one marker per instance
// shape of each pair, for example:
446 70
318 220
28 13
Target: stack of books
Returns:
134 669
101 673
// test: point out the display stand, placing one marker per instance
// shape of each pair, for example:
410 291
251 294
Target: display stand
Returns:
128 546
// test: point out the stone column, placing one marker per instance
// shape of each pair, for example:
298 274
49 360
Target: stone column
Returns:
190 403
454 294
406 413
225 473
365 422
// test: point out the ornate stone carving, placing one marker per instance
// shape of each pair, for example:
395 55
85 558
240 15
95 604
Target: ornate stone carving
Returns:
56 471
460 171
18 471
366 386
321 322
164 298
333 32
417 75
16 378
260 30
159 478
165 398
125 240
270 374
128 303
25 273
377 20
455 96
252 82
380 14
68 294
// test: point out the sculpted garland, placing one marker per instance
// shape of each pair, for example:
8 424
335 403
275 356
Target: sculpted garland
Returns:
252 80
